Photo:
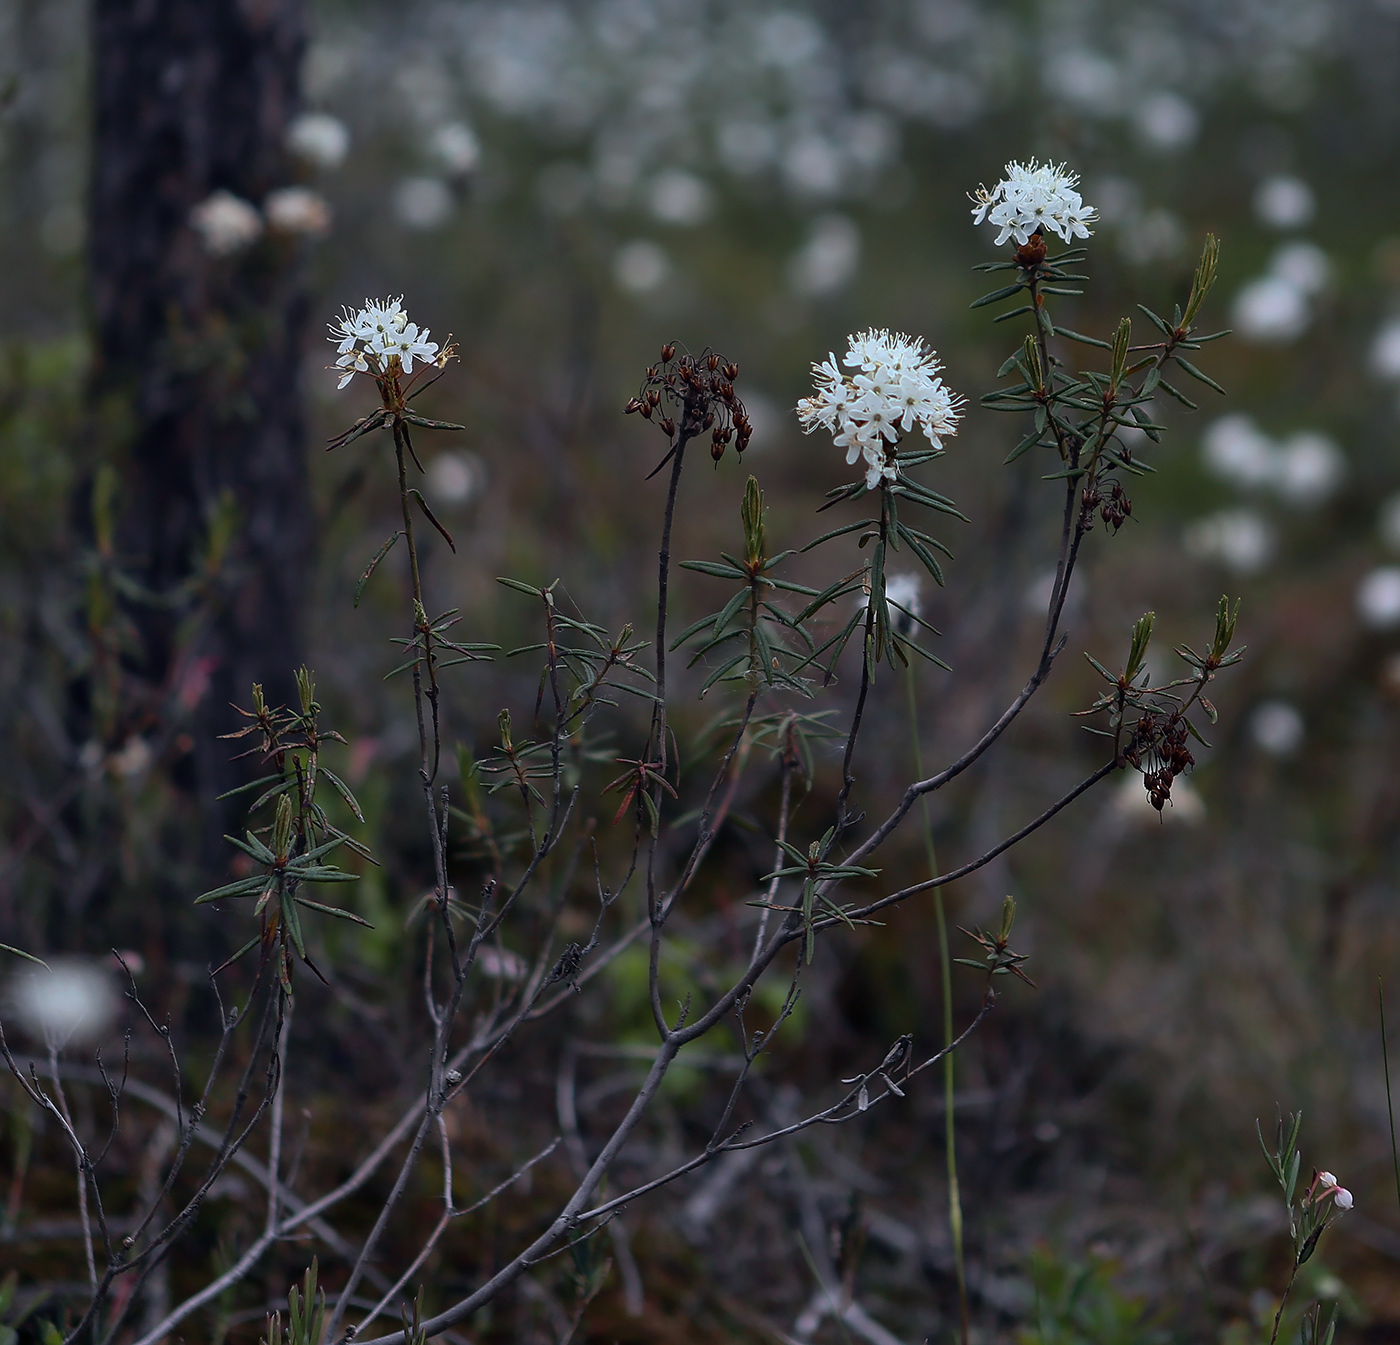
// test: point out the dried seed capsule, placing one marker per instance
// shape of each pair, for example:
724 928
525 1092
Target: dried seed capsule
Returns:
668 352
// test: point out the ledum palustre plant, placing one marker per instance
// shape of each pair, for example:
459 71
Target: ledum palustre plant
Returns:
594 808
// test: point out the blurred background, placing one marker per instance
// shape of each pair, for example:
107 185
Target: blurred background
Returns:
189 191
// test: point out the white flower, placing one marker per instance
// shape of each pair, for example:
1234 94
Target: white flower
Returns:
371 338
1327 1179
897 388
410 344
226 223
1341 1198
1034 196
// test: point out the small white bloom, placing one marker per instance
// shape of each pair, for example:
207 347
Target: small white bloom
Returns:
1378 598
1034 196
319 139
422 202
73 1001
897 388
226 223
369 338
457 147
1327 1179
1341 1198
1284 202
298 210
1239 539
1277 728
1385 350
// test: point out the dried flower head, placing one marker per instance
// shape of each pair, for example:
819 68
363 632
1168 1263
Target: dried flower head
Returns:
895 389
1031 198
380 340
690 394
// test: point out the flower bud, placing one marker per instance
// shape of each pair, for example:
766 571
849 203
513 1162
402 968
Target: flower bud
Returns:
1341 1198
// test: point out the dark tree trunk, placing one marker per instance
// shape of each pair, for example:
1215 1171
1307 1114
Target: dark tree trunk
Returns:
197 355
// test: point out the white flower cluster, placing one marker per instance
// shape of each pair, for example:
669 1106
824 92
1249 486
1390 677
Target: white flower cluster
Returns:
1034 196
895 387
370 340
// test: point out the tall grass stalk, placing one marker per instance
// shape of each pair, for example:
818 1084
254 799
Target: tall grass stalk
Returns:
945 971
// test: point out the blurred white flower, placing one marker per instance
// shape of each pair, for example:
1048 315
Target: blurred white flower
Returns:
1235 448
134 757
72 1002
828 259
902 591
1378 598
422 202
896 388
298 210
1342 1198
456 148
813 166
1385 350
226 223
1310 468
641 266
454 477
1276 307
1305 469
1239 539
1166 120
680 198
1034 196
500 964
1302 264
1271 309
1284 202
1132 805
1277 728
319 139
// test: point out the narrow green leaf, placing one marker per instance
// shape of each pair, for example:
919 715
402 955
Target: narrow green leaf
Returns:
374 565
1004 293
432 518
